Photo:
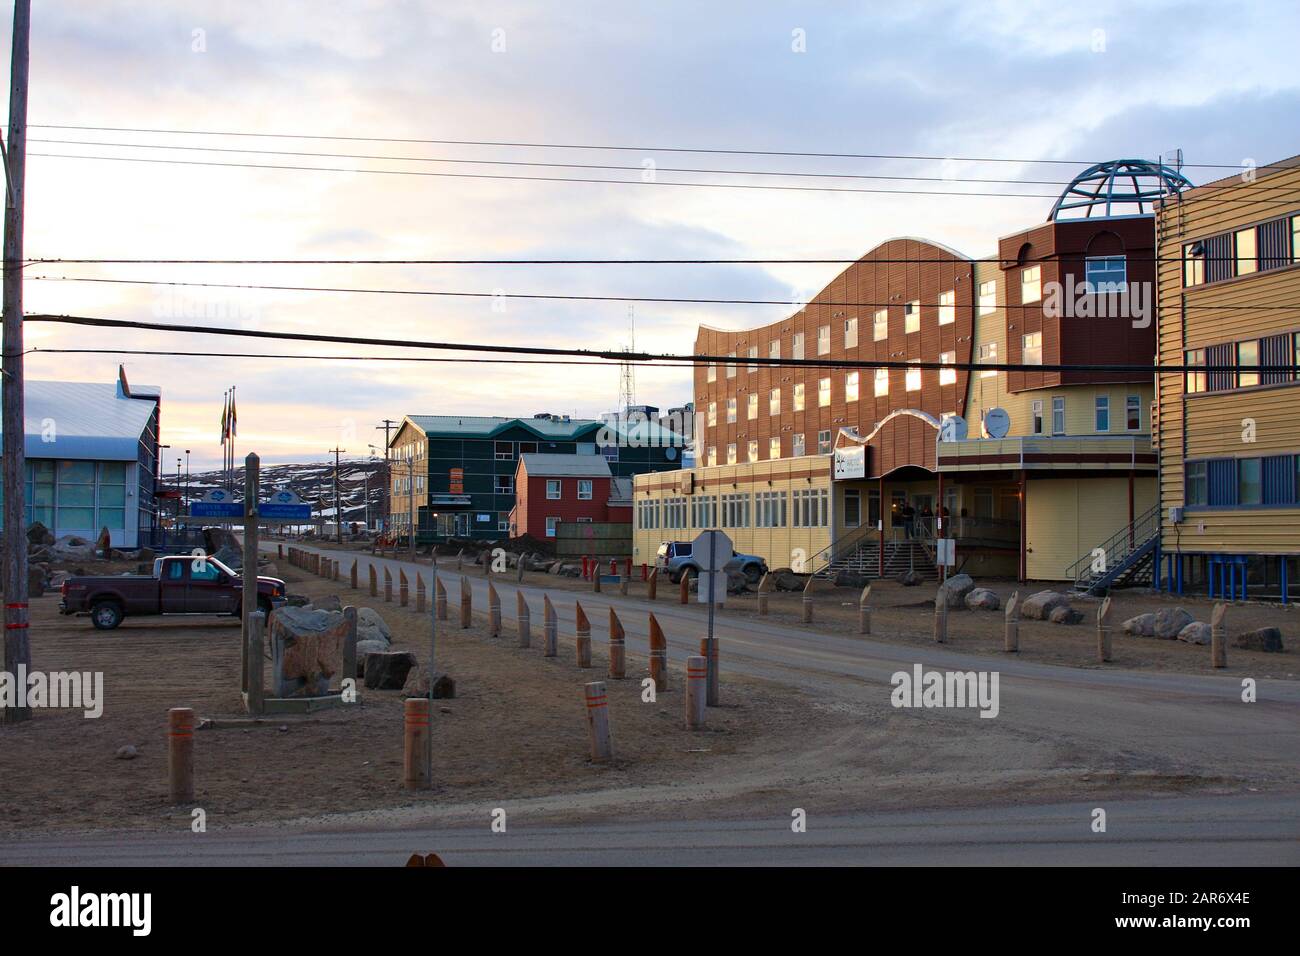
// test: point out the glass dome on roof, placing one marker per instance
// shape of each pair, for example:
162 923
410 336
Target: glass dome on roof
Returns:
1121 187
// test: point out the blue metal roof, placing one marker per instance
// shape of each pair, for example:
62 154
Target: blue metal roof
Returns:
85 420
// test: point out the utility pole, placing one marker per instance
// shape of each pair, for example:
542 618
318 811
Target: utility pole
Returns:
388 425
18 649
338 514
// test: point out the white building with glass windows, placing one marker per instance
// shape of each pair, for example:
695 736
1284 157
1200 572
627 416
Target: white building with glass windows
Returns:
92 459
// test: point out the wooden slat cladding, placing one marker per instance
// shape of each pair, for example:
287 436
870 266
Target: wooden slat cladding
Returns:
873 279
1060 250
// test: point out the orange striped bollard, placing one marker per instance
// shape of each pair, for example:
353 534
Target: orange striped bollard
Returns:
403 588
617 647
582 636
697 677
417 771
523 620
658 656
550 628
439 599
180 754
652 585
597 701
374 585
388 586
494 611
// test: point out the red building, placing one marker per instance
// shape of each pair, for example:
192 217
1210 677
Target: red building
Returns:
554 488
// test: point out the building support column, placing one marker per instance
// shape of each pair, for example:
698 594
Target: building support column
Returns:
1131 513
881 567
1024 530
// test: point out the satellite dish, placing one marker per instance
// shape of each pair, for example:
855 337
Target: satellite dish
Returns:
997 423
953 428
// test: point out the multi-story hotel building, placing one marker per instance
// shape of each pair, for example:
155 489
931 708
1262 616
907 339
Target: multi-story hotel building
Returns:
1229 437
1038 471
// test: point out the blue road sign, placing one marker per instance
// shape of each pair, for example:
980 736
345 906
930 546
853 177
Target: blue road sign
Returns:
216 509
269 509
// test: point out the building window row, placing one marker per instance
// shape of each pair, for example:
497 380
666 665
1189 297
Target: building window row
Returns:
1268 481
1260 248
806 508
1239 363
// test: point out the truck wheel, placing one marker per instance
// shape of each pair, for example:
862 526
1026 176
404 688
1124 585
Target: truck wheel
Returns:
106 615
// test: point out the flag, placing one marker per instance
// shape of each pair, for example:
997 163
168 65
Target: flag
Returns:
225 418
234 419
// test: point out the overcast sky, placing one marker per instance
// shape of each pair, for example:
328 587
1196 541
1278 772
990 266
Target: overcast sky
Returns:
1081 82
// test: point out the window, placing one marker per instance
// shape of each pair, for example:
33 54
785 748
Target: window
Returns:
580 520
503 521
1031 348
824 442
947 308
823 340
584 489
713 455
1195 381
112 496
505 450
731 453
880 325
1197 492
948 376
1295 238
76 494
751 405
712 374
1133 413
610 452
809 507
1036 408
882 382
1101 414
798 396
731 410
988 355
770 509
553 522
1104 274
1247 257
988 298
731 366
706 511
1250 486
912 382
774 349
823 392
774 402
528 448
851 387
753 354
912 316
796 346
713 414
1058 415
796 445
1031 284
774 448
1193 264
850 333
553 489
1247 357
735 511
852 507
752 450
505 485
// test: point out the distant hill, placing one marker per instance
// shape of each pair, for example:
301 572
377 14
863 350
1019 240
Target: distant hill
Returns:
314 483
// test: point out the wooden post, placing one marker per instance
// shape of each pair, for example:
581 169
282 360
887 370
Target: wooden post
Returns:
595 577
1012 640
248 597
374 585
622 584
617 646
255 656
1218 636
597 701
684 589
519 570
180 754
582 638
388 586
808 601
658 656
353 580
350 644
1104 631
652 585
466 603
764 586
418 774
279 552
494 611
697 672
403 588
940 617
712 677
523 620
550 628
460 560
421 595
864 611
439 600
334 569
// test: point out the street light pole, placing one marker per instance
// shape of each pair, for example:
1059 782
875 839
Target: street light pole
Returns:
338 514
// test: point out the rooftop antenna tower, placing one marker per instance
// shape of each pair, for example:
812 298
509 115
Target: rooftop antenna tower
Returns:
627 373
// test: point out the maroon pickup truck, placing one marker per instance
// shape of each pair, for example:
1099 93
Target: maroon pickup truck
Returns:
180 584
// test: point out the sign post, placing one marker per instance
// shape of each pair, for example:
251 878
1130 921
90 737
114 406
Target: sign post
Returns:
712 550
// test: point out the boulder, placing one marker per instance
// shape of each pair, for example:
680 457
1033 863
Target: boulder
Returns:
306 650
1169 622
737 583
224 546
372 627
783 579
1198 632
844 578
555 567
127 752
571 570
1268 639
982 599
39 535
73 548
35 581
908 579
328 602
365 649
1144 625
58 577
388 670
297 600
1064 614
417 685
1039 607
956 588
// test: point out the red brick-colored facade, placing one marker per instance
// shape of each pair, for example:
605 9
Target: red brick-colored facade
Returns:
533 507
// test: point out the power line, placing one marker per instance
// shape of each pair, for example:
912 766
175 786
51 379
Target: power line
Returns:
616 356
601 146
567 297
169 353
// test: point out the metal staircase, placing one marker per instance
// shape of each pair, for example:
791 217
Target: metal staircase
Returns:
1129 557
863 557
